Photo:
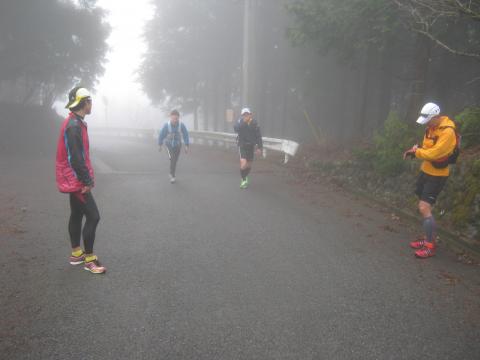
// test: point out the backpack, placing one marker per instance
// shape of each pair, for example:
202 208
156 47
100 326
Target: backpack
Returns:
171 134
453 157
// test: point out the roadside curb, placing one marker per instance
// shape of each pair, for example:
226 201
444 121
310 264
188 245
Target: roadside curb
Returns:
451 240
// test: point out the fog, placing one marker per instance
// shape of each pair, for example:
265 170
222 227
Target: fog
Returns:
215 238
119 100
307 74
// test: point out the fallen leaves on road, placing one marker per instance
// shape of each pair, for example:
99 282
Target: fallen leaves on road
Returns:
448 278
388 228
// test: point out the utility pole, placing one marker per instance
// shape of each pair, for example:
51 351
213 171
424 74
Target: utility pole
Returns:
246 53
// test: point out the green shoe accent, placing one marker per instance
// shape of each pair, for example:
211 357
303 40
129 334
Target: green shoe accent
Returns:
243 184
247 180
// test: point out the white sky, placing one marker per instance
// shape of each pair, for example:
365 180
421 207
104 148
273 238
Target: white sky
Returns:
127 104
127 19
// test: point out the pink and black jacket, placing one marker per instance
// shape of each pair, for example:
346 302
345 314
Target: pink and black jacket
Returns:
73 167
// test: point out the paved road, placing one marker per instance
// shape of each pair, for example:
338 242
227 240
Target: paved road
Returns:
203 270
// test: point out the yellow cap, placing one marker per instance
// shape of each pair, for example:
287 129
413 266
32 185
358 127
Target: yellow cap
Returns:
76 95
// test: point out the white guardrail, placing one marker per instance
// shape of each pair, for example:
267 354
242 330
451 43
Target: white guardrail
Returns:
287 147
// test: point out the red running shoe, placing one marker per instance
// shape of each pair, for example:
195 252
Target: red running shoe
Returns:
427 251
419 243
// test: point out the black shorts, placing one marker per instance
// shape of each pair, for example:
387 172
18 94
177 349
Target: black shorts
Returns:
429 187
247 152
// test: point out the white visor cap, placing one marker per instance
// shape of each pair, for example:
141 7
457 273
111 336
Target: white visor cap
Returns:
246 111
429 111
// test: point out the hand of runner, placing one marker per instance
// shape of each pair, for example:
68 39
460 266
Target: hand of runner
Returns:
259 152
410 152
86 189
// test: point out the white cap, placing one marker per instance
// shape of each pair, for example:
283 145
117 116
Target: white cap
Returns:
246 111
429 111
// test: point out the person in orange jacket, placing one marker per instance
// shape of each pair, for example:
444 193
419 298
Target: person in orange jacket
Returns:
439 145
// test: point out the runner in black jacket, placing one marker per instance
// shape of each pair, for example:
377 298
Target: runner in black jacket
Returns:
249 143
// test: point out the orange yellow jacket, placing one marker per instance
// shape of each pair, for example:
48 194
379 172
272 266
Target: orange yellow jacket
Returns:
438 142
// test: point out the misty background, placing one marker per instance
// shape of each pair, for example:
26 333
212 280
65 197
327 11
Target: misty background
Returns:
328 71
300 265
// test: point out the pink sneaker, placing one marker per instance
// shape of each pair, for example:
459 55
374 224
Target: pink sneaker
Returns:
77 260
95 267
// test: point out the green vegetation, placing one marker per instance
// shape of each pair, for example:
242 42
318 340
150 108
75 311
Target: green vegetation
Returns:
395 45
46 47
352 62
385 155
380 170
462 197
390 144
469 121
343 26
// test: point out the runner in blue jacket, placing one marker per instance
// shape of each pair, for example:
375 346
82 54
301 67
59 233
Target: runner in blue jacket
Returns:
171 135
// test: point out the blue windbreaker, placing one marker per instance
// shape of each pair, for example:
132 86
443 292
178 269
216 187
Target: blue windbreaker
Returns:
172 135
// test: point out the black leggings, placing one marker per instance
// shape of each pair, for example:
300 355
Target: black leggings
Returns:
83 205
173 154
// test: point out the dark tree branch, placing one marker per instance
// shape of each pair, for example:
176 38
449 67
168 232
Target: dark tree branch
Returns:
425 13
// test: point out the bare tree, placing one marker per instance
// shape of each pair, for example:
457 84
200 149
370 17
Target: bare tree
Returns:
422 16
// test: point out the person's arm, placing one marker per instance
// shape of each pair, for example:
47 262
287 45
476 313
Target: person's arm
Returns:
163 134
76 159
259 136
186 137
444 147
238 125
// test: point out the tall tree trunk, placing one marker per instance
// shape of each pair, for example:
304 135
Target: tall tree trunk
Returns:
196 102
341 130
418 87
206 109
221 100
226 93
214 93
283 118
48 97
386 84
30 90
212 111
369 66
195 117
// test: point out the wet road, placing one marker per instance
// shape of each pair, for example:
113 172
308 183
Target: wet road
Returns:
204 270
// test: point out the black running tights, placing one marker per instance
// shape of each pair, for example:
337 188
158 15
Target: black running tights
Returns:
83 205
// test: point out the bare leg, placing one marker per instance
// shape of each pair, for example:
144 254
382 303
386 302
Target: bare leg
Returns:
428 221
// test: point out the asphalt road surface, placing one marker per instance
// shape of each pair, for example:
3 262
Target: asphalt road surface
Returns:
204 270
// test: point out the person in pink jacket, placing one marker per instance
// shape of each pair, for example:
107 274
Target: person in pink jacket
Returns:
74 174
